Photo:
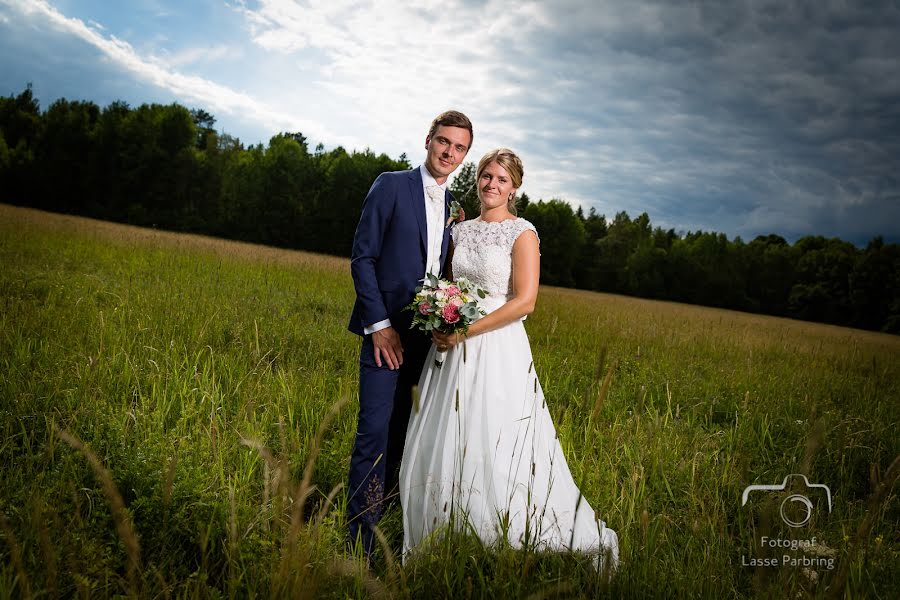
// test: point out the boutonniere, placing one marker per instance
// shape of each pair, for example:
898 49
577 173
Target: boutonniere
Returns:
457 213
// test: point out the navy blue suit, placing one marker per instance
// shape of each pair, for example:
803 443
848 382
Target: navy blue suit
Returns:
388 262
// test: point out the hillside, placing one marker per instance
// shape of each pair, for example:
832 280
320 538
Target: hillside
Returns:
198 373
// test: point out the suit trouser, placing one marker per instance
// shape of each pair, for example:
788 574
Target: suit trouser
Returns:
385 400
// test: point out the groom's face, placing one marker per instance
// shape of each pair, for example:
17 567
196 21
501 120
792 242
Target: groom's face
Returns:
446 149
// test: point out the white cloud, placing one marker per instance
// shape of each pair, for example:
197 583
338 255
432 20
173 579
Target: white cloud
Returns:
156 71
200 54
388 72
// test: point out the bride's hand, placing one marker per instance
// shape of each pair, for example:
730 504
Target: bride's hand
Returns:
445 341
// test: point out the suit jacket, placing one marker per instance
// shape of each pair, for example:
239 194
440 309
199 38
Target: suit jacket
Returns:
390 249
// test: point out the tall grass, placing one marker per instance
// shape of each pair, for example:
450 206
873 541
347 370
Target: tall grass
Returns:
202 382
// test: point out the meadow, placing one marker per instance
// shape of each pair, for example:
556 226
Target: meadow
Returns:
177 414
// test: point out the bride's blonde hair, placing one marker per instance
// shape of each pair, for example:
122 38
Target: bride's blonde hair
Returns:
507 159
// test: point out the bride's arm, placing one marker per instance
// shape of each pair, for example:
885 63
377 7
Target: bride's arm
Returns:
526 270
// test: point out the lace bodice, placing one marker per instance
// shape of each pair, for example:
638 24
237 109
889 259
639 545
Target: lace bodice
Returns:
482 252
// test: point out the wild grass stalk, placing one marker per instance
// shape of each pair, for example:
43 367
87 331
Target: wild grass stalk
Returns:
120 514
22 581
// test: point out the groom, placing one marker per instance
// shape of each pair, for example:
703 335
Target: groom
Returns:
401 236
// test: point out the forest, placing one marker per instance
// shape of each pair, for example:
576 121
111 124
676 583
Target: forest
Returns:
166 166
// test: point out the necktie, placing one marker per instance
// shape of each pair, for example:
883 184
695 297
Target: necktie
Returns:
435 193
436 206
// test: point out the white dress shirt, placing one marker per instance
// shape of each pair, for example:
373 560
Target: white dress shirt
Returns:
434 216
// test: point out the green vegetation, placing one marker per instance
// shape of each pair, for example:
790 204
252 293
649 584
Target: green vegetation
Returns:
166 167
197 373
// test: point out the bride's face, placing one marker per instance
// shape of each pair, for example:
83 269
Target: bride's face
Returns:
494 186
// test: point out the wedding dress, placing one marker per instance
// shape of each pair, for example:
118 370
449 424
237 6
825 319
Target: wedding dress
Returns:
481 445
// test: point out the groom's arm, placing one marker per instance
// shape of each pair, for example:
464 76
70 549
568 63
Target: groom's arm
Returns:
377 211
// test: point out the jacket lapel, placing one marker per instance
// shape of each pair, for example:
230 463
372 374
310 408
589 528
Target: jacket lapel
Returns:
417 196
445 242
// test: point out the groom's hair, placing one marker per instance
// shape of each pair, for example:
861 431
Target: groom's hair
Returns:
452 118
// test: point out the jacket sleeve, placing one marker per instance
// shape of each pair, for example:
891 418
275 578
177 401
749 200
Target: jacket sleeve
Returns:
377 211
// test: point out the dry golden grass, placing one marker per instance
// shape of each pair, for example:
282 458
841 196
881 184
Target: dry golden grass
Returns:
155 238
645 318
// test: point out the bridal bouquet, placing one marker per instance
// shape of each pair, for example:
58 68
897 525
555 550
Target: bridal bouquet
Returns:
447 306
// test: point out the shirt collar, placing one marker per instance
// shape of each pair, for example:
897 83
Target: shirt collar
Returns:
428 180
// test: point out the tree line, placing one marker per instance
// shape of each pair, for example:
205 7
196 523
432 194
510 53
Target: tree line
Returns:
166 166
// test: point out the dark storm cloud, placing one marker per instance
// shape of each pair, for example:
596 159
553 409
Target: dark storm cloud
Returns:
734 116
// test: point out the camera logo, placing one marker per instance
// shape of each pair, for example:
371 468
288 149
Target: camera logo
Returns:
796 509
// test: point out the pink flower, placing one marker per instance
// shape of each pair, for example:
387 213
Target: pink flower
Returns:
453 291
456 301
424 308
450 314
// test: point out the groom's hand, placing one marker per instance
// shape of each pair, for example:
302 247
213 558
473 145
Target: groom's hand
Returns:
388 347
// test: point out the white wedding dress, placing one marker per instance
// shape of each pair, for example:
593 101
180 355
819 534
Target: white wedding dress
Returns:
481 444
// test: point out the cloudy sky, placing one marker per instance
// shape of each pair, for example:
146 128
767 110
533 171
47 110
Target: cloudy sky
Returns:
736 116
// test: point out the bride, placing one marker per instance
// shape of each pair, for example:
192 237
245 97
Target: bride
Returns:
481 448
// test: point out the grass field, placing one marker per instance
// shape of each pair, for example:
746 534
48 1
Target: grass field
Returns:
177 415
